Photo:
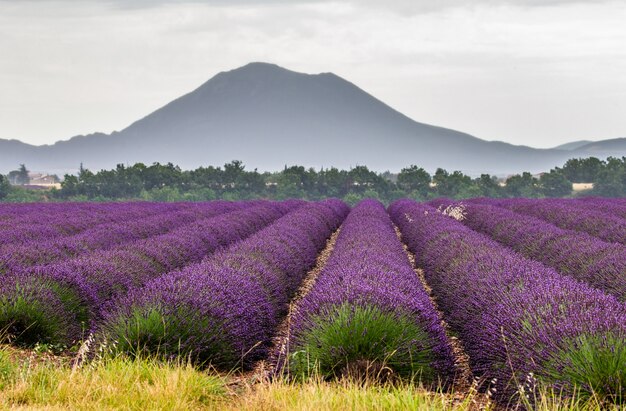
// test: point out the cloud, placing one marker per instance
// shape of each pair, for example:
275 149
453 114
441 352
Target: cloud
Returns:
413 6
403 7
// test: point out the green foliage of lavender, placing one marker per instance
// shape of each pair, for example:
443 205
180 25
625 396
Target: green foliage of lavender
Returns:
363 337
593 362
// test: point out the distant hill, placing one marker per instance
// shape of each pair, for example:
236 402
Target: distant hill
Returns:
269 117
615 147
573 145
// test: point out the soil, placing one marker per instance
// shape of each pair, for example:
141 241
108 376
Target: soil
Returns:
463 382
265 370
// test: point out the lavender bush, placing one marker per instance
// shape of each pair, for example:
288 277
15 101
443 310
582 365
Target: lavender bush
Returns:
576 254
68 297
225 310
515 316
563 214
17 257
56 224
368 309
606 205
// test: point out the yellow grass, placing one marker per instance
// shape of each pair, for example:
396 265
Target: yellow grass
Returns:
117 383
35 382
347 395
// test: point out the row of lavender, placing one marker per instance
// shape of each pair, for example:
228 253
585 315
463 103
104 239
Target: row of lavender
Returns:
517 318
73 218
54 213
17 257
597 218
576 254
611 206
225 310
367 309
57 303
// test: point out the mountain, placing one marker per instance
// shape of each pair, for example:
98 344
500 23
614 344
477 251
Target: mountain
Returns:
573 145
268 117
614 147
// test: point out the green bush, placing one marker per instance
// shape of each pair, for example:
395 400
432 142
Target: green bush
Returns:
355 340
595 366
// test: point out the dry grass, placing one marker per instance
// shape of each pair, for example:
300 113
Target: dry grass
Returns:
32 381
346 395
117 383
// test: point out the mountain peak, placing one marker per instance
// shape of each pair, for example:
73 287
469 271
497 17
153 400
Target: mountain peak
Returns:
263 70
260 69
253 74
260 65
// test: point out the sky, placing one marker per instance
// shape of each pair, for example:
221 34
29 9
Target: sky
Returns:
531 72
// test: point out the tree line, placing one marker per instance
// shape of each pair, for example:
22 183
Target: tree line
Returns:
167 182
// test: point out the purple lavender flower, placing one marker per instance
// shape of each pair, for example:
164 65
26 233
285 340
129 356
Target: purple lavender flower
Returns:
85 284
225 309
368 307
572 253
564 214
606 205
516 316
17 257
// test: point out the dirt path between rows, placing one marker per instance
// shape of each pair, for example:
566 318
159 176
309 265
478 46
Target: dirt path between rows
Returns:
463 381
280 345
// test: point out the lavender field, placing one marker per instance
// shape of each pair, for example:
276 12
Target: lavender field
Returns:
514 295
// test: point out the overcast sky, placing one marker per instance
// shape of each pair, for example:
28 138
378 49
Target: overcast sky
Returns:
534 72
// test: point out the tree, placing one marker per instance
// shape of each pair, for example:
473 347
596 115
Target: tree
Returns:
233 172
70 186
20 176
453 185
206 177
289 186
488 186
251 184
611 181
583 170
362 179
294 182
415 180
611 185
524 185
158 175
5 187
555 184
332 182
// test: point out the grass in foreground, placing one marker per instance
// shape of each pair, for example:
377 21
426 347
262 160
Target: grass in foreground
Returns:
349 395
30 380
118 383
